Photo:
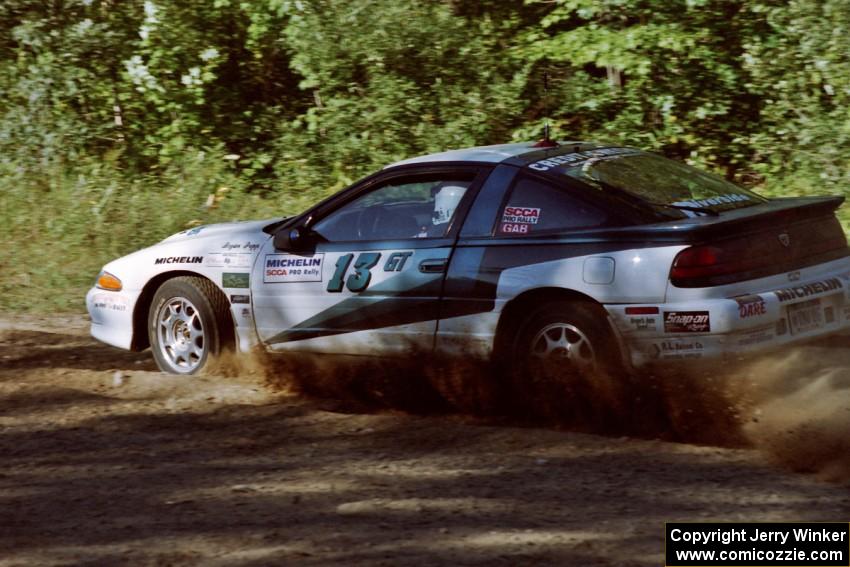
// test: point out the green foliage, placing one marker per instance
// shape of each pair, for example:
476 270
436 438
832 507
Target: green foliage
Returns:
664 75
390 79
801 72
62 225
123 122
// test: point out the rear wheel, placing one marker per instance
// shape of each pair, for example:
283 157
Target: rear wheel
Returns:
565 346
565 362
188 323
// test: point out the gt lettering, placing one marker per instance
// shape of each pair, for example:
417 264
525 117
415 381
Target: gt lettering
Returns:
396 260
359 280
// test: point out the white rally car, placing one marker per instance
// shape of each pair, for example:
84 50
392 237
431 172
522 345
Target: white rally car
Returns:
575 252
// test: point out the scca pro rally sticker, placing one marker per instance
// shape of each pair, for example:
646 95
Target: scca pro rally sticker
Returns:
524 215
518 220
686 322
287 268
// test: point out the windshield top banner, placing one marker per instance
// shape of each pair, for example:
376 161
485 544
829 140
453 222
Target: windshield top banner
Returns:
581 158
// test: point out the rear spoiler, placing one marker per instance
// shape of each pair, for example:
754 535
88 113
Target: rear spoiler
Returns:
774 213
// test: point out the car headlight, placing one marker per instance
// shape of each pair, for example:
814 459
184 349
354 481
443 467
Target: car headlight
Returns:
107 281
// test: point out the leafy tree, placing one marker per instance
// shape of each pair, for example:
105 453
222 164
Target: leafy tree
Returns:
390 79
801 73
667 75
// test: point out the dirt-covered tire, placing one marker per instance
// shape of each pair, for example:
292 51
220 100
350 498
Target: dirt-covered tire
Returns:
188 324
564 361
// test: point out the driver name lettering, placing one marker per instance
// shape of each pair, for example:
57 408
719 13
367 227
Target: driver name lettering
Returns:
286 268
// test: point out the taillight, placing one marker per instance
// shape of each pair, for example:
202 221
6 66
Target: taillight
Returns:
767 251
696 261
704 265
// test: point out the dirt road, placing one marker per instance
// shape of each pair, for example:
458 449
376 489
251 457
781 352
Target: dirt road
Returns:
106 461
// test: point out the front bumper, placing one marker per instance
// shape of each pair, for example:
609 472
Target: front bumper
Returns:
111 315
729 328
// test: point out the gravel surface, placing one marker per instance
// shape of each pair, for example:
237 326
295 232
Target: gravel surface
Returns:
107 461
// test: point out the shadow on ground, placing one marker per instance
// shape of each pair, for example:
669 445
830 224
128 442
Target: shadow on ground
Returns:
89 478
30 350
293 485
649 406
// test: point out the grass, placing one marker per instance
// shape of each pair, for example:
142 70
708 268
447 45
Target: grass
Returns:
63 225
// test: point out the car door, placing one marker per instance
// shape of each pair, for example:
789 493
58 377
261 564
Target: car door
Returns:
368 273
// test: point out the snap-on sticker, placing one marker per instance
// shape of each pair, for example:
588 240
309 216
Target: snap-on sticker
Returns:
521 215
687 322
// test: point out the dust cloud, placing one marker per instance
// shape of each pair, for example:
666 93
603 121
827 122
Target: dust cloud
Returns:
792 406
798 410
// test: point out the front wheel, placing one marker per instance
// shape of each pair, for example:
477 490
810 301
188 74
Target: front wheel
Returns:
188 323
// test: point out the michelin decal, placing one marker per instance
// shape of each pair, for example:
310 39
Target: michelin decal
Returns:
180 260
288 268
807 290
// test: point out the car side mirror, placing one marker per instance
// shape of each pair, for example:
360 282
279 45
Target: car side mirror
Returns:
296 238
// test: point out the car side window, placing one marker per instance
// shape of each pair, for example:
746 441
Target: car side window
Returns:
402 209
536 207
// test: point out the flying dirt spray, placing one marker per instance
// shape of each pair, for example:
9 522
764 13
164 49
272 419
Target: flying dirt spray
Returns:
799 410
794 406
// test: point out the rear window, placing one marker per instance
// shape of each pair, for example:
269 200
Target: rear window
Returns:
535 207
664 183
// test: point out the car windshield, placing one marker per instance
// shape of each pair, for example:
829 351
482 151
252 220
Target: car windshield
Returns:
670 187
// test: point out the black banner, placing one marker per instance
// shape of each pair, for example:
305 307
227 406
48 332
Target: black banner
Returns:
757 545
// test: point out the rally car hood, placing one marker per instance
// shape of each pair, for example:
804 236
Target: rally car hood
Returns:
207 250
240 229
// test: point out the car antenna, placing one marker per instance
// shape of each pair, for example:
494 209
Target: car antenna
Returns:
546 142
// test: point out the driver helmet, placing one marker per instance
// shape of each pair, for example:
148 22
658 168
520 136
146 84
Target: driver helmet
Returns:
446 199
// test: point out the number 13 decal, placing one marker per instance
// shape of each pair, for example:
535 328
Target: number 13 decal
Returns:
359 280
